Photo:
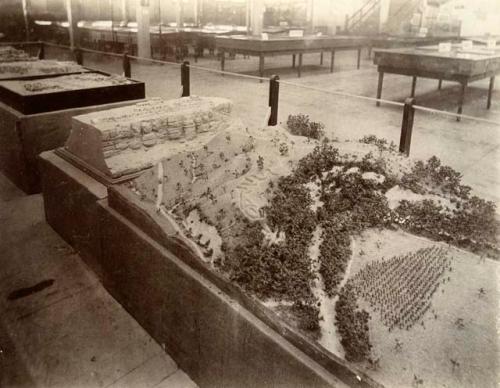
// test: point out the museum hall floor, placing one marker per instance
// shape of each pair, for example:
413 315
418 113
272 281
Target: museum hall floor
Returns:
58 325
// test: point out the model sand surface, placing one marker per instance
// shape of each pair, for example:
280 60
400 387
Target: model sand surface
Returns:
63 83
27 68
313 228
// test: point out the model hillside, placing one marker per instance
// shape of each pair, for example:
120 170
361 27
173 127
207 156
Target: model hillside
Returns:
351 243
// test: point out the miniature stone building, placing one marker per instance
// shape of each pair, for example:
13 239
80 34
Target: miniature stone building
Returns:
126 140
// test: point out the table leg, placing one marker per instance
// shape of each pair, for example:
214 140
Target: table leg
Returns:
321 59
461 99
222 60
413 86
359 57
440 84
299 68
380 84
490 92
293 61
261 66
370 52
332 61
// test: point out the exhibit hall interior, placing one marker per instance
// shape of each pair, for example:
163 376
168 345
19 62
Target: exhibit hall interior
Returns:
249 193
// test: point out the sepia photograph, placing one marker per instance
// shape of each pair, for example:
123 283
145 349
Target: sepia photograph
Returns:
249 193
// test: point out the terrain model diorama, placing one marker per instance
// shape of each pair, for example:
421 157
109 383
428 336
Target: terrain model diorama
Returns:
128 139
28 68
11 54
387 262
63 83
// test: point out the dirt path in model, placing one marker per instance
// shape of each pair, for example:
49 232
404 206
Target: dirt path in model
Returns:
330 339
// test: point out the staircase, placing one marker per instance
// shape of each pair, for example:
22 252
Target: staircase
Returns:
400 14
362 21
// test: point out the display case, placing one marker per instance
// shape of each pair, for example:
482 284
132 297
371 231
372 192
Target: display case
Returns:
27 69
41 94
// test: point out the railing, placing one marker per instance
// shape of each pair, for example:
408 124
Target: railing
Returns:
358 17
409 106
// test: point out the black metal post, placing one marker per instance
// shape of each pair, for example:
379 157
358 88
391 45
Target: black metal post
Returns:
407 126
185 81
127 70
41 51
78 53
274 93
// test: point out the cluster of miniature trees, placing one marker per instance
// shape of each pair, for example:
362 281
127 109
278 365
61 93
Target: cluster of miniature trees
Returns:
352 325
400 289
301 125
470 223
283 271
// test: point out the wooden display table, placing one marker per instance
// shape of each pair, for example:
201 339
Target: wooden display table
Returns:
459 65
255 46
26 130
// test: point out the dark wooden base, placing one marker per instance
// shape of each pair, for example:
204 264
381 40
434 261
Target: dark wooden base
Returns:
68 99
218 340
70 201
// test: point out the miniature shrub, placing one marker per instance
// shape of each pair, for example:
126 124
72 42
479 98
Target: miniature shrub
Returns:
352 325
380 143
279 270
307 314
335 253
473 226
301 125
433 174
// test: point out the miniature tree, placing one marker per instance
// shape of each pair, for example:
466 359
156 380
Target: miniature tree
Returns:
283 149
260 162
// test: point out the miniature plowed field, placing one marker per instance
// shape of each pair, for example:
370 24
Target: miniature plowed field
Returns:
64 83
30 68
387 262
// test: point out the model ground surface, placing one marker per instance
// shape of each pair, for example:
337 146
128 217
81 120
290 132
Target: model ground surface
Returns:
385 261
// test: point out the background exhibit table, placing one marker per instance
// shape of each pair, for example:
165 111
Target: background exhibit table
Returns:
255 46
459 65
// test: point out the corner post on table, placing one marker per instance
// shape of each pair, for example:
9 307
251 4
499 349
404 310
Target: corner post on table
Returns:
440 84
359 58
274 90
185 79
321 59
380 84
407 126
293 61
490 92
127 69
